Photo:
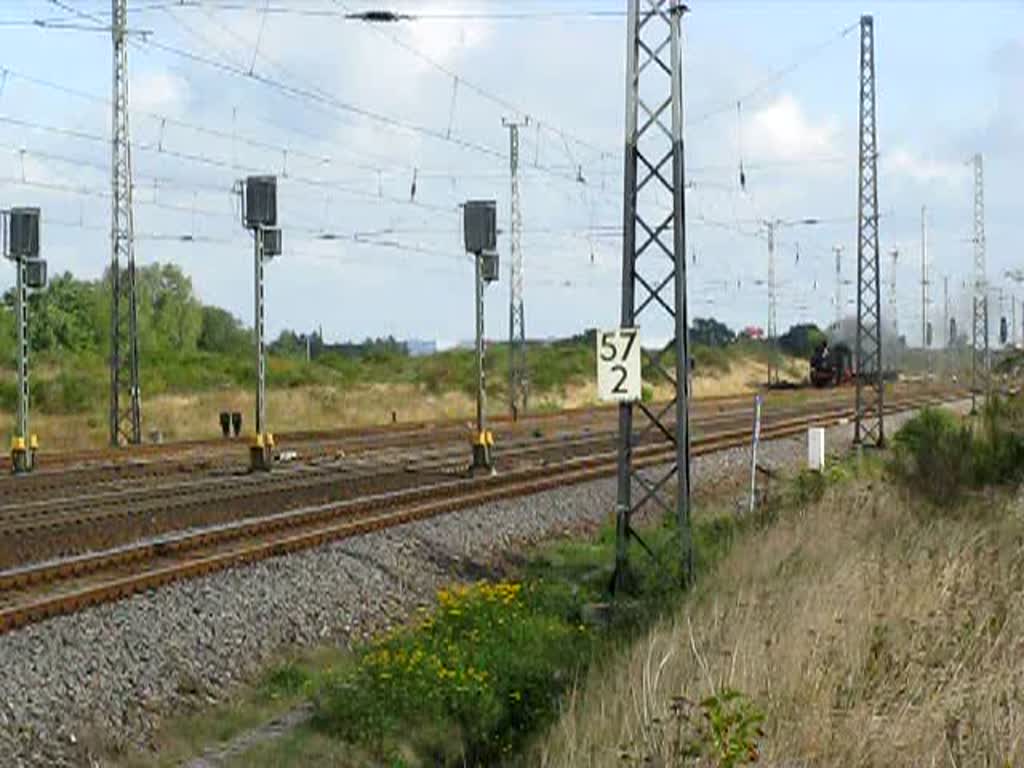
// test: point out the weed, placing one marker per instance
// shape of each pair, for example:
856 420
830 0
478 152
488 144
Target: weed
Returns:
721 730
285 681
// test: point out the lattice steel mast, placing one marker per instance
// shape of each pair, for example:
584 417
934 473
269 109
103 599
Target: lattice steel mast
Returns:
125 409
838 250
893 295
925 344
773 329
518 373
654 266
979 351
869 423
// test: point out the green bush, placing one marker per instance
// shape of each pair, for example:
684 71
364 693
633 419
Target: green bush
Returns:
932 454
941 458
468 683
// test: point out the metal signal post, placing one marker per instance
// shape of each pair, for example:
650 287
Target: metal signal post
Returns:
259 214
654 267
125 405
869 423
480 233
21 245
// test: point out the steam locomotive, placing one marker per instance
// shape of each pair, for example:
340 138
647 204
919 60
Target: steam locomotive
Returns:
831 366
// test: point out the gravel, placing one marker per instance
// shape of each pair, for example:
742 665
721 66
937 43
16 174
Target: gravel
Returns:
79 686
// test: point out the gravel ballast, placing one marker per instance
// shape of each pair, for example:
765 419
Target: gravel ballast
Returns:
76 686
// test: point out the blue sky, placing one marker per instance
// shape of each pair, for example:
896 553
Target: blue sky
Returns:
950 83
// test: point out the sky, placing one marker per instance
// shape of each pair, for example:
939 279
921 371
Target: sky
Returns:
349 115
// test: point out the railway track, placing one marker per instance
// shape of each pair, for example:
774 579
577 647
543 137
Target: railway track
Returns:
157 462
73 523
39 591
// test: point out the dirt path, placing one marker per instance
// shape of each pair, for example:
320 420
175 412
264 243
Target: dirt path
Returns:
270 731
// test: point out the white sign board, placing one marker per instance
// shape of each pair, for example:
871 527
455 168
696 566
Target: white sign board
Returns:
618 365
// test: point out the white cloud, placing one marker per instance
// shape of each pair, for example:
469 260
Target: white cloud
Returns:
781 130
163 92
924 170
444 41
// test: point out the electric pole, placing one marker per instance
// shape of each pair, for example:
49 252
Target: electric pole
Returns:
518 374
771 226
773 374
869 424
979 352
125 406
893 299
924 278
1013 321
654 162
945 315
838 250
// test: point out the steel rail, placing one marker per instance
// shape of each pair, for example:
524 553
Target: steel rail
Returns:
37 514
301 529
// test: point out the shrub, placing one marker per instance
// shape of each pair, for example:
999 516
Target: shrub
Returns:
941 458
933 455
468 682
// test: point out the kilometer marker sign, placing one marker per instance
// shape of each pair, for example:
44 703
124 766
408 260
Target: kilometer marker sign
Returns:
618 365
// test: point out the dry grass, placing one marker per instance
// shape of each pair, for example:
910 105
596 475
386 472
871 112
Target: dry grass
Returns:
867 632
186 417
195 416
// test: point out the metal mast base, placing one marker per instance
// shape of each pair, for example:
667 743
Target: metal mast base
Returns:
261 453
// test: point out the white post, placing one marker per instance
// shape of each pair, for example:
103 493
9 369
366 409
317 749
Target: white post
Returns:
753 452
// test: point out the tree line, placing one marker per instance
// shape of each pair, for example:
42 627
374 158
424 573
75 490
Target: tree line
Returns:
73 315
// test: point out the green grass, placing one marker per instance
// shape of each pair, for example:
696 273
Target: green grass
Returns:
285 686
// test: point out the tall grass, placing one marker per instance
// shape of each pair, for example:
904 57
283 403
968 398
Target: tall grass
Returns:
865 634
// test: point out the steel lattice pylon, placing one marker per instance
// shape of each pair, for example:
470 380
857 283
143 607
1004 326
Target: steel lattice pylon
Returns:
518 374
125 409
654 266
979 348
869 424
773 326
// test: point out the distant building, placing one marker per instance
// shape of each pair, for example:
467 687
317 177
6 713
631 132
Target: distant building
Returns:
752 332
